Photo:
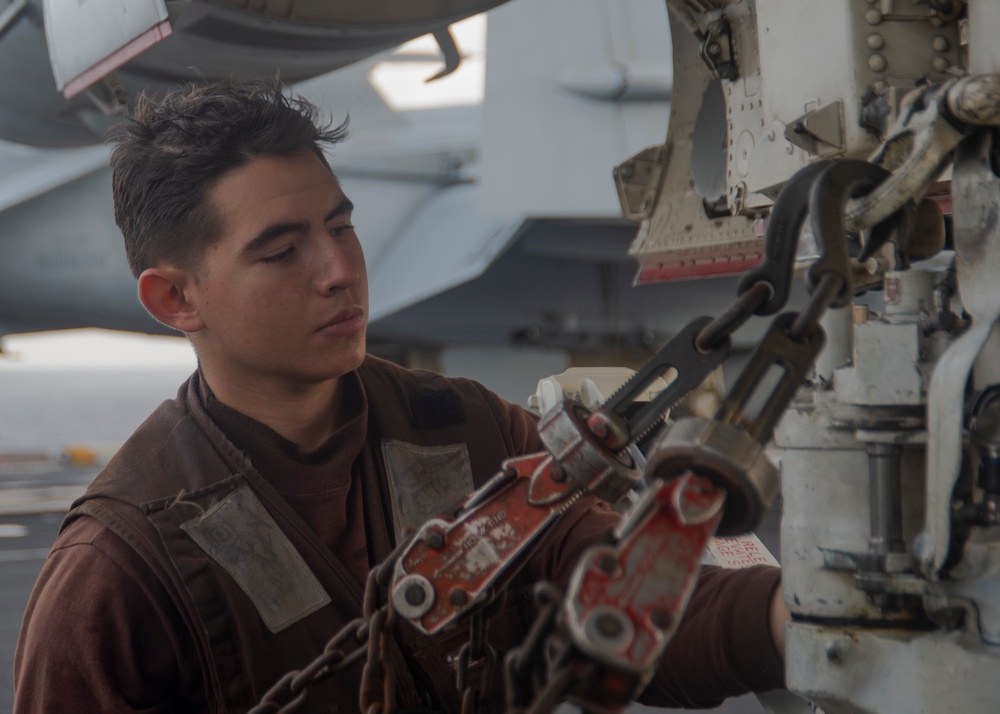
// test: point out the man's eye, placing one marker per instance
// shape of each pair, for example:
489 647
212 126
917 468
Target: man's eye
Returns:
341 230
277 257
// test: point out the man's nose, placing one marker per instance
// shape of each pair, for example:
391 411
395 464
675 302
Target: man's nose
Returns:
337 266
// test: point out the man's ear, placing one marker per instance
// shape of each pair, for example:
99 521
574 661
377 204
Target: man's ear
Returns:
165 292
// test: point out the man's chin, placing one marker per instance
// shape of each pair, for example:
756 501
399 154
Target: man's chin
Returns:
347 363
359 359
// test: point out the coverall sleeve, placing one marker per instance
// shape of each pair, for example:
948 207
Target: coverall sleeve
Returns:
98 635
723 646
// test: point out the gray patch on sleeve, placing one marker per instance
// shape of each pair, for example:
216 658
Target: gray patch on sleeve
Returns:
239 534
424 480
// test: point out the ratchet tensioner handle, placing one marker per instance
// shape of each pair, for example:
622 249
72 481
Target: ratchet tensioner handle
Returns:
453 564
626 600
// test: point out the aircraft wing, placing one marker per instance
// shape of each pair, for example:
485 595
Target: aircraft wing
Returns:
98 59
30 172
449 240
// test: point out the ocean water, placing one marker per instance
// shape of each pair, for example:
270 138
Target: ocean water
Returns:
49 409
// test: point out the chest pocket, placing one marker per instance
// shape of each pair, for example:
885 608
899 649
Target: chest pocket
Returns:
239 534
424 480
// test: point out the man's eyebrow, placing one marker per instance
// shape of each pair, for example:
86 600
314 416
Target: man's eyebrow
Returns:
345 206
270 233
279 229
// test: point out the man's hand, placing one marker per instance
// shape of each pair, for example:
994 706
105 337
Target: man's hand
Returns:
779 616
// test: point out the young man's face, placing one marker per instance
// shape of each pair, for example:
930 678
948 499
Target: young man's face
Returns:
282 292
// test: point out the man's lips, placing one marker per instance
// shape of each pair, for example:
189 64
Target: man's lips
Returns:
344 322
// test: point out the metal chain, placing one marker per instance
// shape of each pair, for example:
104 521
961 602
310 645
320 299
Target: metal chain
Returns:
526 666
290 693
733 318
806 322
376 681
475 654
565 671
554 692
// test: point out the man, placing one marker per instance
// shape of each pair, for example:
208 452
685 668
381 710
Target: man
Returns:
232 534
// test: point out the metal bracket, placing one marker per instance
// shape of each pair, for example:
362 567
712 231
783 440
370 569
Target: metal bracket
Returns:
638 181
11 14
976 195
452 57
108 95
717 50
917 150
821 131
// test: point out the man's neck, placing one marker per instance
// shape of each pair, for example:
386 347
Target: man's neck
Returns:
306 415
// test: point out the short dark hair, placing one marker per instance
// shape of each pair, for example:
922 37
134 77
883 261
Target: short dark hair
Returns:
175 145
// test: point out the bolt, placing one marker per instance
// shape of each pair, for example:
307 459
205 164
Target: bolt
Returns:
598 427
714 49
609 625
459 598
607 564
834 655
557 473
435 540
940 64
877 63
415 595
661 619
875 41
940 44
880 86
873 17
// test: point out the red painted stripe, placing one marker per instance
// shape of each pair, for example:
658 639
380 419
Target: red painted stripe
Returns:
692 269
116 59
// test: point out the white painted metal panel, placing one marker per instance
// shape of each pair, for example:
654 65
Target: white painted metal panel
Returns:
88 39
447 243
29 172
548 148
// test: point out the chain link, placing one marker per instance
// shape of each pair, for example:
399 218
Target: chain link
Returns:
806 322
290 693
374 679
565 671
526 666
475 654
742 309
